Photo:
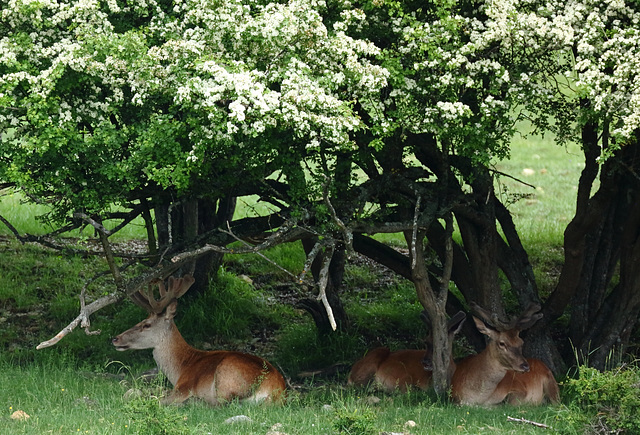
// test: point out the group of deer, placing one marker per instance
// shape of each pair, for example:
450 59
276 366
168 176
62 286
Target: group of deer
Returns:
499 372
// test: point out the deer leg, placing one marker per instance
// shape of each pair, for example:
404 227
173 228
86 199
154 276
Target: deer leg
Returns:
175 397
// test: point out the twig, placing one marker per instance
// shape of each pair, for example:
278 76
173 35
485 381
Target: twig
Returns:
346 232
83 317
513 178
311 257
323 279
522 420
414 232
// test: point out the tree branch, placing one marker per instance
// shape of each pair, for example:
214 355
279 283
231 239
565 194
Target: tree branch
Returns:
323 279
83 317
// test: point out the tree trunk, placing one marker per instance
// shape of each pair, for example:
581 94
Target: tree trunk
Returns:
336 273
211 214
435 305
477 224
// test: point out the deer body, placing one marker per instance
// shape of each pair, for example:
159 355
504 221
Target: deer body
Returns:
402 369
475 379
399 370
532 387
214 376
500 372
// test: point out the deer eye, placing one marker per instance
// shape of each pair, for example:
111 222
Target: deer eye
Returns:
146 326
502 344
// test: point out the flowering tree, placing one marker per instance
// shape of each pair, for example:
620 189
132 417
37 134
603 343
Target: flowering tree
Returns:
599 109
349 118
176 108
155 105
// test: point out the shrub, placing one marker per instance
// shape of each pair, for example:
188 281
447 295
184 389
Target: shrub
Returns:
612 396
357 422
149 417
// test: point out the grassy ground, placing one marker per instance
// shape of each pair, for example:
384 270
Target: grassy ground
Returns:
65 401
78 385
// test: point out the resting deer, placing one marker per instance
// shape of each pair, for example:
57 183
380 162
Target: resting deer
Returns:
214 376
500 372
401 369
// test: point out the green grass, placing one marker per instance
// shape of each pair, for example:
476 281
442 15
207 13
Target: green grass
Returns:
546 208
61 400
30 218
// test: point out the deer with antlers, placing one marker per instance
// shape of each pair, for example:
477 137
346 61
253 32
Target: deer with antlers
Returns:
500 372
402 369
214 376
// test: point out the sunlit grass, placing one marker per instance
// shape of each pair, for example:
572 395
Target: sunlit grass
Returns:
30 218
546 176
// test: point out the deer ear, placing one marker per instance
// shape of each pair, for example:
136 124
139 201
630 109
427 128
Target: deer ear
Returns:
455 323
170 312
483 328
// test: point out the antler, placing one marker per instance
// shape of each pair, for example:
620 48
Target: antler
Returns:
489 317
177 287
526 320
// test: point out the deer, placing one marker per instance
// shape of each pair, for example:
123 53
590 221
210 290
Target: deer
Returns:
216 376
402 369
500 372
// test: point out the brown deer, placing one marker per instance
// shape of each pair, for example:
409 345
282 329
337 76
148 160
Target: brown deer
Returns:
500 372
530 387
214 376
402 369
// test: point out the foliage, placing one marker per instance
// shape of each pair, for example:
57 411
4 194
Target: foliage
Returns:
345 116
612 396
354 422
147 416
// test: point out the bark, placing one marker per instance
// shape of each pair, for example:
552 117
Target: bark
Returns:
434 302
605 314
211 214
477 224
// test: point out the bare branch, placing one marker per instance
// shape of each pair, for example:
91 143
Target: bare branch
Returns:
414 233
95 224
346 232
83 317
311 257
323 279
12 229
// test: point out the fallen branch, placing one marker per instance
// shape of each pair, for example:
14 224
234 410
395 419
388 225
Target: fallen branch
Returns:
522 420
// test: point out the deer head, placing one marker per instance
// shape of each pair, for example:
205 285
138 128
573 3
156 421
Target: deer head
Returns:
505 344
159 325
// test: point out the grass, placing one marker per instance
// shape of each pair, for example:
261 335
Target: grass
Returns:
61 400
78 385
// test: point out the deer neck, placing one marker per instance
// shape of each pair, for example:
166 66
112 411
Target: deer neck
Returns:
172 353
488 374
